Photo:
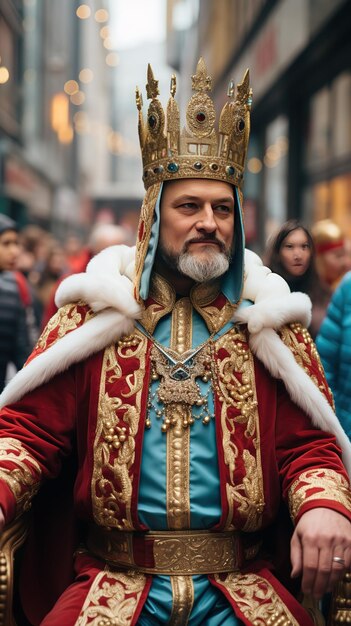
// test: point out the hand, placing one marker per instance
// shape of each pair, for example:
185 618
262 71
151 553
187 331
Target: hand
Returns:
2 520
320 535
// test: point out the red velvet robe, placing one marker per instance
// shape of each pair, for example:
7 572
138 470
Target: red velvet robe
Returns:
261 434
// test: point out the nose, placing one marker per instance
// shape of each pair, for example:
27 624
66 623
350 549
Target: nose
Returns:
206 221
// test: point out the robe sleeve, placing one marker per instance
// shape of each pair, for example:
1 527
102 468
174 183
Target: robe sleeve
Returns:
309 459
36 432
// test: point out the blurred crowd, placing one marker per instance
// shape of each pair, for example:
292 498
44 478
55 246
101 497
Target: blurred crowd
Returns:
32 264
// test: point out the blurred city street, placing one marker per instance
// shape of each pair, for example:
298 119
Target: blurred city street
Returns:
175 312
69 151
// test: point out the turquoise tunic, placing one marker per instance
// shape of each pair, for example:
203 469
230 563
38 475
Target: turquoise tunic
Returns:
210 607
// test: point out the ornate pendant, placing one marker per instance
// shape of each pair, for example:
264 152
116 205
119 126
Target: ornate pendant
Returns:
178 380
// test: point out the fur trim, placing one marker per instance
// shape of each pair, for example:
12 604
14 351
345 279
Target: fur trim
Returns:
274 305
94 335
280 362
107 282
107 288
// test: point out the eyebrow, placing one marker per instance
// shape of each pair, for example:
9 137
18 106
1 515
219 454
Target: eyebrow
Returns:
190 197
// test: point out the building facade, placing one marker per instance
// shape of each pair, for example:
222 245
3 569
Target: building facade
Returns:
55 111
299 55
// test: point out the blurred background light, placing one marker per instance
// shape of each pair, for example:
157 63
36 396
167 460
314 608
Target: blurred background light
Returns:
83 11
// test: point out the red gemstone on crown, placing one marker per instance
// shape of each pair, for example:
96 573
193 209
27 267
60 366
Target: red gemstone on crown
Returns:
200 116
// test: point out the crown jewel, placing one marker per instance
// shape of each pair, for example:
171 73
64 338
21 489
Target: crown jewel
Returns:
197 151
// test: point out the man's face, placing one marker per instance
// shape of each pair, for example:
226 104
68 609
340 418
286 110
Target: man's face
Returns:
197 226
9 250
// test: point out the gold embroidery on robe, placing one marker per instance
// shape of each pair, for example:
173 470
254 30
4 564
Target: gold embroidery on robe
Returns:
117 426
67 318
183 600
236 387
144 232
257 600
24 479
306 355
318 484
164 296
178 437
202 296
112 599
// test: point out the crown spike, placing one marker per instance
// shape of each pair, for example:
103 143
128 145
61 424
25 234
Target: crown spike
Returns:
243 89
138 98
231 89
141 125
173 87
201 81
152 89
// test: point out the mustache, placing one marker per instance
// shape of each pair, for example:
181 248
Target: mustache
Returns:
208 238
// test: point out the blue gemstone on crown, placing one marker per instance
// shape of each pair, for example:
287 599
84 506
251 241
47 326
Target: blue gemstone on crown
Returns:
173 167
198 165
230 170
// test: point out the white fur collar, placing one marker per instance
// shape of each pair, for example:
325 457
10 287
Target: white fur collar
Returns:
108 289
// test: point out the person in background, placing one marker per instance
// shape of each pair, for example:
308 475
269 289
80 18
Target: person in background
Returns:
178 380
77 254
334 346
54 268
101 236
332 260
290 253
18 331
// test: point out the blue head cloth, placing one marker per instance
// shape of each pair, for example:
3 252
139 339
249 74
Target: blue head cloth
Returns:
232 281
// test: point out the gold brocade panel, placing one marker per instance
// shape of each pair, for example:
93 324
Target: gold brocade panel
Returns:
301 344
112 599
23 474
67 318
257 600
236 392
120 422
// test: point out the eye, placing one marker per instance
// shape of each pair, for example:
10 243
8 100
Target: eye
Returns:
223 208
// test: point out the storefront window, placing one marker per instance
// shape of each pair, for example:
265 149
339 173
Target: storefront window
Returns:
8 74
328 154
331 199
317 152
275 174
340 115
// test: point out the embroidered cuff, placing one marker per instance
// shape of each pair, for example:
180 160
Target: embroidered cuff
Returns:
319 484
20 471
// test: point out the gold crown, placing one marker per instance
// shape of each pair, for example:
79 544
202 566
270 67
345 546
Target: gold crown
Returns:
198 151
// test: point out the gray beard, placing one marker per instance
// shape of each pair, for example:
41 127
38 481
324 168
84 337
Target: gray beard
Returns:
200 270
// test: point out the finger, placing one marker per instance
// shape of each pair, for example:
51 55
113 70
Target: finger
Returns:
325 574
295 556
310 566
2 519
340 565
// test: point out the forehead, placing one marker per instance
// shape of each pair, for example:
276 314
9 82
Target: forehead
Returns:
197 187
8 235
296 236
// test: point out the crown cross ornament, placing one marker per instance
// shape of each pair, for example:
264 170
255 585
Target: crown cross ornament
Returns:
199 150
